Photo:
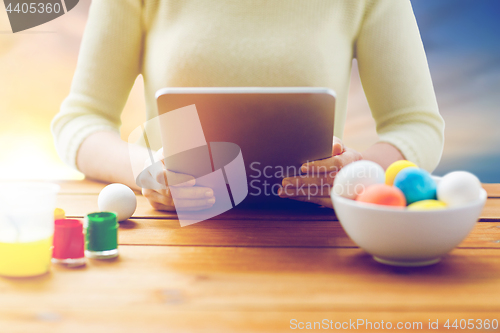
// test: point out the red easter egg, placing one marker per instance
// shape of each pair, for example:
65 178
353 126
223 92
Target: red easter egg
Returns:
382 194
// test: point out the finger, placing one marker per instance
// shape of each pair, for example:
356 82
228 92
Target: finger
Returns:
331 164
195 192
323 201
160 198
348 156
159 206
145 191
324 166
308 180
146 181
194 209
338 146
161 202
183 204
179 179
171 178
170 200
313 191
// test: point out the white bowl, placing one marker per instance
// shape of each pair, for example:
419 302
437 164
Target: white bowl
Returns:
396 236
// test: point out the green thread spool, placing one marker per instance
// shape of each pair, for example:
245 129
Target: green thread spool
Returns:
101 238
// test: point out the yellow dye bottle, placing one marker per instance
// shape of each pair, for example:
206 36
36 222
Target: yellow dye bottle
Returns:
26 227
25 259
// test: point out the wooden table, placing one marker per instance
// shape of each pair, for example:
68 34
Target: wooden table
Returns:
251 272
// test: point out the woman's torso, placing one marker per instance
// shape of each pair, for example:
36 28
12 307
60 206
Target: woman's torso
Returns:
193 43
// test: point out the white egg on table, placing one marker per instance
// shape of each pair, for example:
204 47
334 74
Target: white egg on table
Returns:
458 188
352 179
117 198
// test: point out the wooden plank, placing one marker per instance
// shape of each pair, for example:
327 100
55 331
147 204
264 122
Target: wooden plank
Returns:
493 190
258 272
161 319
484 235
491 211
150 279
259 233
265 233
84 186
78 205
87 186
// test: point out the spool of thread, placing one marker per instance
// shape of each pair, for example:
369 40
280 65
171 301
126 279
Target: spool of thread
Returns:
101 240
68 243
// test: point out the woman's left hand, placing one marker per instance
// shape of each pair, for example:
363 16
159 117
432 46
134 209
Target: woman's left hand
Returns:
316 181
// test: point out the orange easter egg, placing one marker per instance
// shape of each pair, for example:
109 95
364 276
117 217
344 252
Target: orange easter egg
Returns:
382 194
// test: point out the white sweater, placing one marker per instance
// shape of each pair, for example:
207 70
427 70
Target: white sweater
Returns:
195 43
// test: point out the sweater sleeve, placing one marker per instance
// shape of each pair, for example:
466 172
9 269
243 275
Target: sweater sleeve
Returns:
397 83
108 64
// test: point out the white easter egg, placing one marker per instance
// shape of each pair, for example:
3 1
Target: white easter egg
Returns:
117 198
458 188
355 177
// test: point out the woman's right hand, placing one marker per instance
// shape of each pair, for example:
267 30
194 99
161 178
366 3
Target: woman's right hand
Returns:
183 196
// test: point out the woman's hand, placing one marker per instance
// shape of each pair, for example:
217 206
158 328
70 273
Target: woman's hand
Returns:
316 181
181 194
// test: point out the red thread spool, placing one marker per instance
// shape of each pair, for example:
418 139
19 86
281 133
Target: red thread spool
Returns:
68 243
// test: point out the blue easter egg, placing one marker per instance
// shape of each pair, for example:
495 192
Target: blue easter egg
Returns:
416 184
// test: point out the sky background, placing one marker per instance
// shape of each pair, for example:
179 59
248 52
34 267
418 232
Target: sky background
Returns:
462 41
461 38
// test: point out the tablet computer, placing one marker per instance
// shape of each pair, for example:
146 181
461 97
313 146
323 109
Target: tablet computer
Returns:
277 129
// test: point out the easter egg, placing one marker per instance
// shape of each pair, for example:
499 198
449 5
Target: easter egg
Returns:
382 194
355 177
117 198
416 184
394 169
458 188
427 205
